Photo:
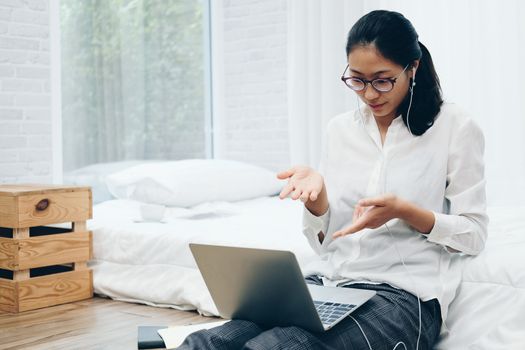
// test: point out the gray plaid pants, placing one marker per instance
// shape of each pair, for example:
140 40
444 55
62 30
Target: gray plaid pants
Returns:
391 316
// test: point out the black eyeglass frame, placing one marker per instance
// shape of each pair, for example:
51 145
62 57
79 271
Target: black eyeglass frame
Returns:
365 82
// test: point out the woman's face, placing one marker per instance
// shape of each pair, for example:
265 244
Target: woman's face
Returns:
366 62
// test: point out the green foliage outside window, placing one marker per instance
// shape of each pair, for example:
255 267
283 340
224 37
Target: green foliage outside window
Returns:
133 80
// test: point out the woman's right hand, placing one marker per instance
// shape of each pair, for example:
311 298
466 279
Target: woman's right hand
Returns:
304 183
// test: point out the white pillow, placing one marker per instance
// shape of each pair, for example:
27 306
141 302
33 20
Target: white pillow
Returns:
186 183
94 175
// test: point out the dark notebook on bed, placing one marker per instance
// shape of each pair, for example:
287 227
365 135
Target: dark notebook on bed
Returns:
148 338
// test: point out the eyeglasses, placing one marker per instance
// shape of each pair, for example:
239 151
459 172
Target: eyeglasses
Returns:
379 84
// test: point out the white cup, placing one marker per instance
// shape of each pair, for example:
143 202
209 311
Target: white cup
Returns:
152 212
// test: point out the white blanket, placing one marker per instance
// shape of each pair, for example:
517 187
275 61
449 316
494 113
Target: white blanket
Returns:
151 263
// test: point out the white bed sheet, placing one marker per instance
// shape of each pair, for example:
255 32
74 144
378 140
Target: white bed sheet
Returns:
266 222
151 263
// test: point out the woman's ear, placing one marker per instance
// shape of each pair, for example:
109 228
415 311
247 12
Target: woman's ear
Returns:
415 65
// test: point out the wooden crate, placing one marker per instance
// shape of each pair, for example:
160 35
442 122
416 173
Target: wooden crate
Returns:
43 265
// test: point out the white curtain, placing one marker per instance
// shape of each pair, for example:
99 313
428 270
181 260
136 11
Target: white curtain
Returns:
478 48
316 41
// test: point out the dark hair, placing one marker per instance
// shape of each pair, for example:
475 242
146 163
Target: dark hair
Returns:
396 39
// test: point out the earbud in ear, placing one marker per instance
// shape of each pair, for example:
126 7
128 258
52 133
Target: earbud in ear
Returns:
413 77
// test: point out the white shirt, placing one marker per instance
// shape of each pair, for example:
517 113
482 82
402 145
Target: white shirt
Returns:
441 171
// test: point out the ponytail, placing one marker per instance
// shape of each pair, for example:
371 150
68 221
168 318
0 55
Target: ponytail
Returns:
427 99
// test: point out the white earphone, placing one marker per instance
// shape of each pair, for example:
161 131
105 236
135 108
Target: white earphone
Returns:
411 95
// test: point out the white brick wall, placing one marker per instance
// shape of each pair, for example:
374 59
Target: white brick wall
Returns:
254 121
25 118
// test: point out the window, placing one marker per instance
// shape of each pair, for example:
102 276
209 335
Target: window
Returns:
135 80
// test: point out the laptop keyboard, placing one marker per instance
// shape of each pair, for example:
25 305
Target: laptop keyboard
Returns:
330 312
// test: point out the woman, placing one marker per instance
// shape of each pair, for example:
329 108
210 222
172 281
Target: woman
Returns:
399 193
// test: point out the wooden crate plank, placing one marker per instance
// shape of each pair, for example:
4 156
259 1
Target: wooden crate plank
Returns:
90 245
8 253
8 296
8 211
15 190
62 207
54 249
55 289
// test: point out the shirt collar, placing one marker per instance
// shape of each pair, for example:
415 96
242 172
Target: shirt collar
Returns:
366 114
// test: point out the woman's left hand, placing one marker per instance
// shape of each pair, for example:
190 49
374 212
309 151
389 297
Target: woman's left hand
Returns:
372 213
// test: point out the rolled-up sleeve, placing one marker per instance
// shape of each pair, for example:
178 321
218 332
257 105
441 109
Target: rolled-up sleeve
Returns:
313 225
464 226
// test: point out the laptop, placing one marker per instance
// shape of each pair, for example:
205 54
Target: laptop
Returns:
268 288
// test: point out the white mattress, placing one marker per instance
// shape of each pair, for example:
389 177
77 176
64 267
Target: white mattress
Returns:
151 263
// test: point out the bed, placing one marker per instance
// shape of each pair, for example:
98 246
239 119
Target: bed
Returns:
150 262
